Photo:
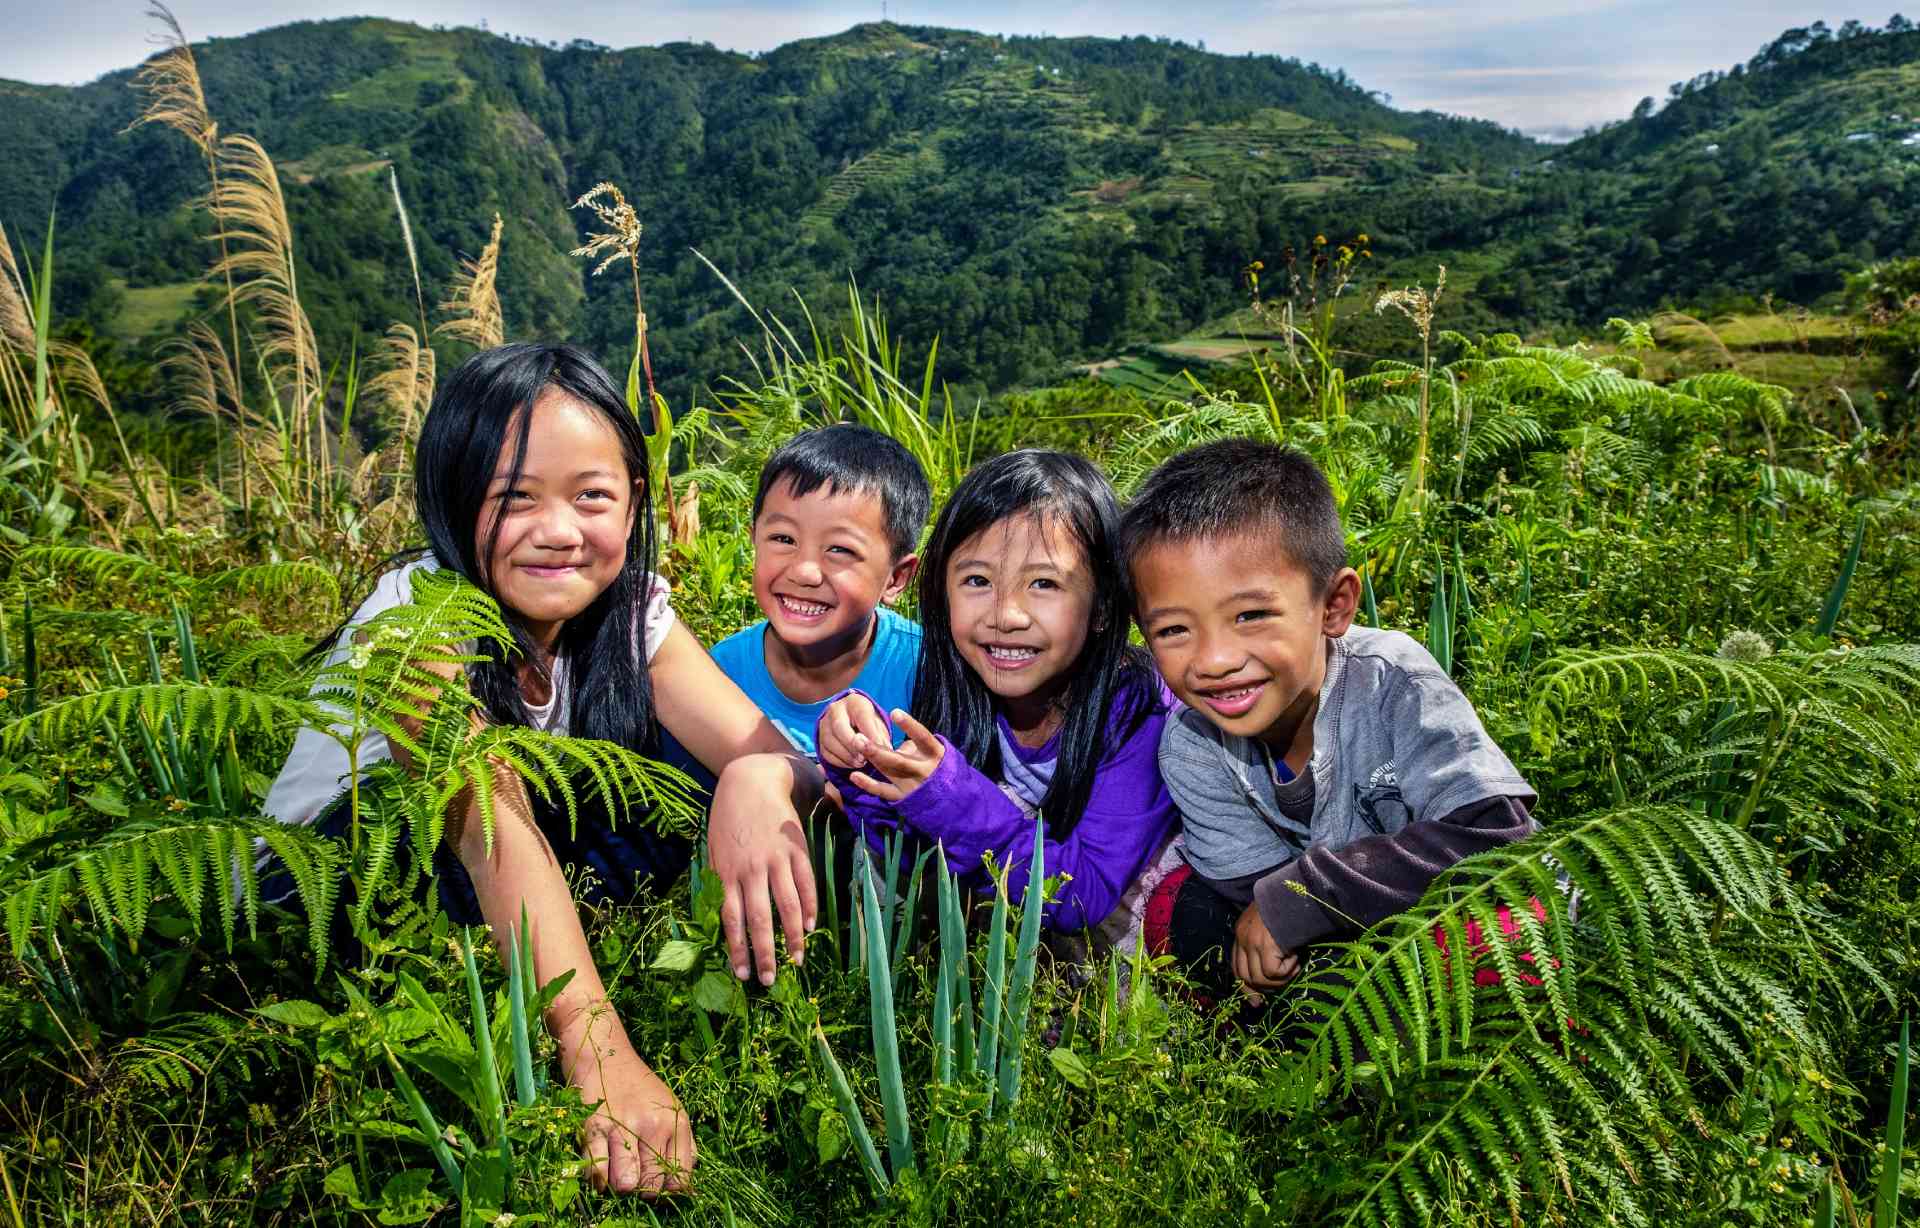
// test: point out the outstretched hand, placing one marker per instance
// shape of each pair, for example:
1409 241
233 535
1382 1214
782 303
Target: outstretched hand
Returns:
906 768
842 726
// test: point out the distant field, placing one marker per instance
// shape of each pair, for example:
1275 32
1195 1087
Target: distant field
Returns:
152 309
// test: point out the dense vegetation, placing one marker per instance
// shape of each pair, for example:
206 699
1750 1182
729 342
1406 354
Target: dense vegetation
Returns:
1686 603
1031 201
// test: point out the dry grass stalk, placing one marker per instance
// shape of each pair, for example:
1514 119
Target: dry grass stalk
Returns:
248 206
413 254
405 380
16 306
474 300
176 100
620 241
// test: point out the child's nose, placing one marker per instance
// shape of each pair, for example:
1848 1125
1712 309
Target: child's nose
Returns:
1009 614
557 529
806 571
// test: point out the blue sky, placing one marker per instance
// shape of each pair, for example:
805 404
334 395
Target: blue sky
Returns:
1548 67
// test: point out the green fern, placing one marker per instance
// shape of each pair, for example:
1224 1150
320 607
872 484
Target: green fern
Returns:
1575 1083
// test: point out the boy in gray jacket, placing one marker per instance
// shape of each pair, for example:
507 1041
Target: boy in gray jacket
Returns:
1309 751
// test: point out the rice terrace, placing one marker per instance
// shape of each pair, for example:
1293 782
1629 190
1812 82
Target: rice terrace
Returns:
1623 434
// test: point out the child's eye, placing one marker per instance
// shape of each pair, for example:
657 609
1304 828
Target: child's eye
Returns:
780 539
973 581
842 550
513 496
1044 583
1170 631
596 494
1249 616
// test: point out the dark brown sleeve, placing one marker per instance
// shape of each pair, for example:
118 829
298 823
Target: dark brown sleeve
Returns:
1373 878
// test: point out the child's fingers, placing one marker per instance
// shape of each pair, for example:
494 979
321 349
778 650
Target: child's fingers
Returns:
879 788
597 1154
801 867
759 904
731 922
786 898
892 762
866 720
922 736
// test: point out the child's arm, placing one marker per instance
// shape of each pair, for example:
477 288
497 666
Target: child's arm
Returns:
640 1137
755 839
1128 814
1375 877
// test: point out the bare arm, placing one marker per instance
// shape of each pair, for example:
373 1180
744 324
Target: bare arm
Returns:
640 1138
756 840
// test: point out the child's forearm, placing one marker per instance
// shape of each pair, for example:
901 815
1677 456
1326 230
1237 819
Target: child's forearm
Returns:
520 877
1363 883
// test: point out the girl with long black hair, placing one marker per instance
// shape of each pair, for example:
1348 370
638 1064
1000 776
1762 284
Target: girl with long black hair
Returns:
530 483
1029 699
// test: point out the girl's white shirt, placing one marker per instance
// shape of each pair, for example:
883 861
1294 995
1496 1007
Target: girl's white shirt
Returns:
318 767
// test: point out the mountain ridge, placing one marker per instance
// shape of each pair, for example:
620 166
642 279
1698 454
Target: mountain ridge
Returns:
1032 201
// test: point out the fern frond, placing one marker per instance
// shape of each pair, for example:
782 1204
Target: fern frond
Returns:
199 707
270 580
99 565
193 859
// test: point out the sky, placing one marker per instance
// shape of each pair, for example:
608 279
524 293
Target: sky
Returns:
1547 67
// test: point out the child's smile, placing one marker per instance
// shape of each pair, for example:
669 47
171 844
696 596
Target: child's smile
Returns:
1239 635
559 528
1020 597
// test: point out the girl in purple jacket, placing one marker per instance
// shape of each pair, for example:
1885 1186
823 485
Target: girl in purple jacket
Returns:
1029 700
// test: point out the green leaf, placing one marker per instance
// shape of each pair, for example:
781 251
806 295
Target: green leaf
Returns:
719 993
831 1137
1071 1067
678 955
408 1197
108 800
562 1193
342 1183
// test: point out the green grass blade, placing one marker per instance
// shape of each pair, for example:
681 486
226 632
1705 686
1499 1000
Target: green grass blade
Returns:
486 1075
993 988
1367 601
886 1035
1837 595
519 973
850 1109
1886 1204
903 929
953 952
1020 990
442 1153
1440 621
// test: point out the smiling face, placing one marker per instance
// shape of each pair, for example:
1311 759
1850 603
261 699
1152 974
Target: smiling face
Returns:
821 563
1019 596
563 522
1239 634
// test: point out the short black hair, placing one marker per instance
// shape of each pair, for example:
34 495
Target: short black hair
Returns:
1239 487
853 458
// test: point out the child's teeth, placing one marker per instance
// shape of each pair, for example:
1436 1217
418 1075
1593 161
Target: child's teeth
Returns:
1014 654
804 608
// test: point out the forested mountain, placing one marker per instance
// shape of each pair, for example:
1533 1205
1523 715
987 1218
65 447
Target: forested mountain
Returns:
1031 201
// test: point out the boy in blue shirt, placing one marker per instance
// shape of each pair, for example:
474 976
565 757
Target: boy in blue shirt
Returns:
836 518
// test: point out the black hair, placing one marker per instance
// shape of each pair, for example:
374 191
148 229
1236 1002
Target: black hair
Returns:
478 415
949 698
847 457
1241 487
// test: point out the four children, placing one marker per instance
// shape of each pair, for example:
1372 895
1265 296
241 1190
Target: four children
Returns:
1319 774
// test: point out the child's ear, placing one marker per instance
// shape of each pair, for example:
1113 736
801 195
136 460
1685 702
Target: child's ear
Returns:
902 575
1342 602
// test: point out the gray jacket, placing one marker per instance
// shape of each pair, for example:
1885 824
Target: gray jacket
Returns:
1403 781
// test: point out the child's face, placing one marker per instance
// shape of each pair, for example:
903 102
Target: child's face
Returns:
821 563
1020 593
1237 631
563 525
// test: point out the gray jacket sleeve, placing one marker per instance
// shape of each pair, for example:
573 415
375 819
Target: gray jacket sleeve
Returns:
1373 878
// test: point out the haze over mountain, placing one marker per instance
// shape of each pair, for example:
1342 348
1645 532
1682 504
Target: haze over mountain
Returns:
1030 201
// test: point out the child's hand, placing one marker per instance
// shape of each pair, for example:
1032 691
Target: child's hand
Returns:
1260 963
842 725
756 845
639 1138
907 768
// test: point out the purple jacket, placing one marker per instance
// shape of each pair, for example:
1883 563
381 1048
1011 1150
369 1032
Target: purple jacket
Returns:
1129 813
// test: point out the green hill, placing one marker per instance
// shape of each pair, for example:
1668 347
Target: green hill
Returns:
1036 202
